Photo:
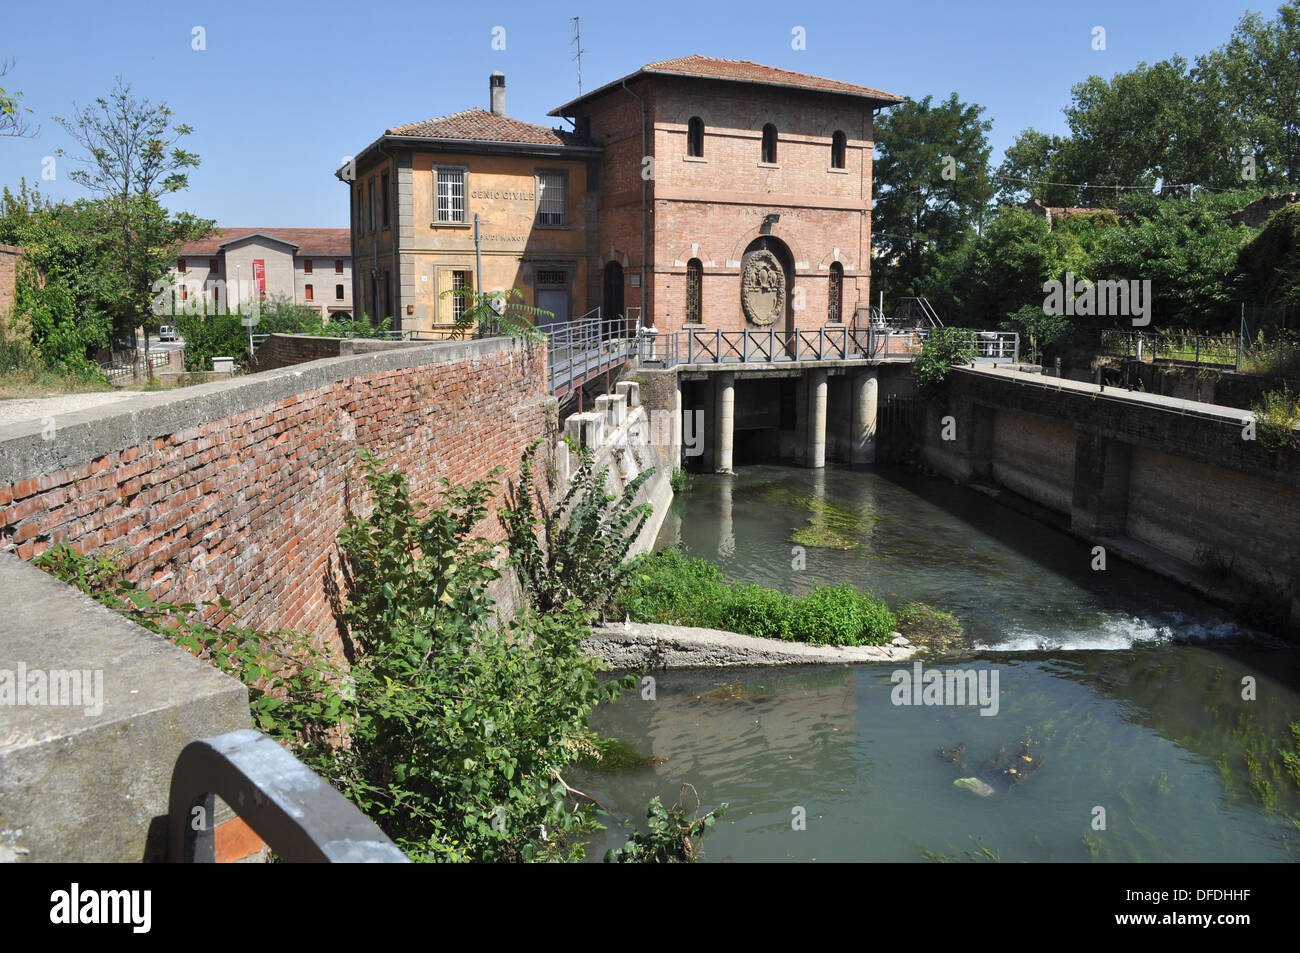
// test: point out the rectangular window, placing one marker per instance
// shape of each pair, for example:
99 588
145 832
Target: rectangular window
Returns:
180 264
213 264
459 303
384 185
451 195
185 293
338 292
307 293
552 197
306 266
361 218
338 266
372 205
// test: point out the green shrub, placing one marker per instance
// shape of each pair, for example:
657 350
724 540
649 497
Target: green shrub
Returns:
1277 414
756 610
671 588
577 550
840 615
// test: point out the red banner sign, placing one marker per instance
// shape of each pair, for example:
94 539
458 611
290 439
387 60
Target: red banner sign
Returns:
259 276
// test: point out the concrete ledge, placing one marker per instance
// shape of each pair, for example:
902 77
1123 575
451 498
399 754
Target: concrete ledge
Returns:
85 782
82 436
640 645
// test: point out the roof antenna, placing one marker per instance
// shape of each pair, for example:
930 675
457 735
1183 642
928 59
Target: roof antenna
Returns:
578 50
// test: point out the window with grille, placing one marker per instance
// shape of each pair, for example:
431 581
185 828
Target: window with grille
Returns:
451 195
695 137
552 198
835 296
694 291
839 143
552 277
459 302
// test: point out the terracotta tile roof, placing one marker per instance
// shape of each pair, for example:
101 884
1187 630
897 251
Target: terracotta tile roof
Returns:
741 71
479 125
325 242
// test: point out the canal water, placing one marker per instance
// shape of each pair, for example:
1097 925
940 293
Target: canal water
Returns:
1120 696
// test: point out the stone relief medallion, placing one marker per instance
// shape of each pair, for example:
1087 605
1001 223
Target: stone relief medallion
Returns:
762 288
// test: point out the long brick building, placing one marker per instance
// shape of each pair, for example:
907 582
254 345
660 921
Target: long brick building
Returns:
692 192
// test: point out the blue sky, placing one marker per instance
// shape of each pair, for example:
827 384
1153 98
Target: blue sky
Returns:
284 90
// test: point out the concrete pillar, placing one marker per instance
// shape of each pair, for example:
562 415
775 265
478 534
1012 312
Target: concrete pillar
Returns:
724 417
862 436
706 393
1099 506
816 456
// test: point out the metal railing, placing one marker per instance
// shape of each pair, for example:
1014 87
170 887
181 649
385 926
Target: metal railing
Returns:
298 815
1197 349
586 347
117 370
716 346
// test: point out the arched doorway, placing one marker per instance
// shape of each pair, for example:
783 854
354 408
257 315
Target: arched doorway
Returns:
767 287
611 304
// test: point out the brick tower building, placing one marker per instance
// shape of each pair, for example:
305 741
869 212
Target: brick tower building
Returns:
731 194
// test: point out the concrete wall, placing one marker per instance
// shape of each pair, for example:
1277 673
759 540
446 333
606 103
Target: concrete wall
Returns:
627 438
1162 481
238 488
88 781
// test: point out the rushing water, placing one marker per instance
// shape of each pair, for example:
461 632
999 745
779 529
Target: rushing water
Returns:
1126 688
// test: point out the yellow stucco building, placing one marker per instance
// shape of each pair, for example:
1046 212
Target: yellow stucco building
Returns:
417 190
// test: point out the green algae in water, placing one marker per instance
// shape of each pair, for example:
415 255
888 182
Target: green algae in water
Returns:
611 754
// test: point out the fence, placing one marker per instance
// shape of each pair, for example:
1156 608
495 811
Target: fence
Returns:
699 346
1197 349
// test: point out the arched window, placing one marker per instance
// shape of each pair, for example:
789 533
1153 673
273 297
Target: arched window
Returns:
695 137
694 291
769 143
835 295
839 144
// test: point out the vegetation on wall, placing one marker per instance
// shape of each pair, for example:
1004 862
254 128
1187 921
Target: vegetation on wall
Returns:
450 729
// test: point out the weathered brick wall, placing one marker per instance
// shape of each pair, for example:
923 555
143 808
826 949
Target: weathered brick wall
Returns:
283 350
9 256
712 208
239 488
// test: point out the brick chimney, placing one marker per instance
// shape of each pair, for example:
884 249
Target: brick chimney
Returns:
497 90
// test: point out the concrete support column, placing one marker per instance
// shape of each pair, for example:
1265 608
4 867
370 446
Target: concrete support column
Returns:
816 455
1099 506
724 420
862 437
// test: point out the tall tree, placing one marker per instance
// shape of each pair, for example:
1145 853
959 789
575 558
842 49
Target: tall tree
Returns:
1259 69
931 185
130 159
1025 171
